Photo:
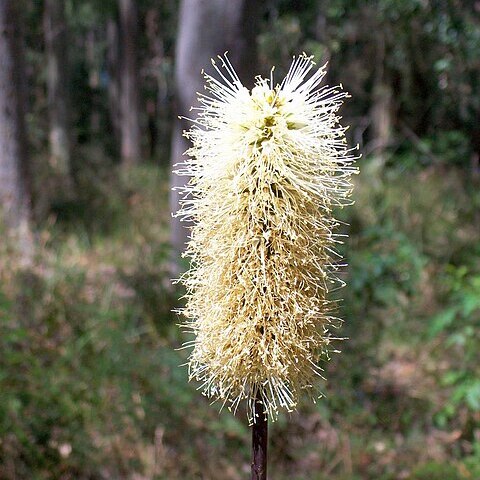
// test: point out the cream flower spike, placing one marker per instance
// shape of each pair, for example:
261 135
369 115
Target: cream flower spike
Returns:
267 166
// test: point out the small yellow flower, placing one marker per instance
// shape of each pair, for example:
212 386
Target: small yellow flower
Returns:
266 168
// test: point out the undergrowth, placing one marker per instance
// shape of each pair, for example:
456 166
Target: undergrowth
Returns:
90 383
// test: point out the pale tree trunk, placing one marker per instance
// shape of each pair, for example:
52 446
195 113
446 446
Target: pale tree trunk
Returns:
382 105
14 188
91 46
381 115
130 119
55 31
242 22
207 28
113 88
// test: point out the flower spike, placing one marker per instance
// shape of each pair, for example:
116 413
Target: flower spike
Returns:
266 168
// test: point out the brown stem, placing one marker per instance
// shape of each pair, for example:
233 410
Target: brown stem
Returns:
259 441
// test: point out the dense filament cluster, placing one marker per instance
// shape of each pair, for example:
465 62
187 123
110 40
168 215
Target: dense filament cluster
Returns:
266 168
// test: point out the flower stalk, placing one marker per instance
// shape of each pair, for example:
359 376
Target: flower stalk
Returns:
259 441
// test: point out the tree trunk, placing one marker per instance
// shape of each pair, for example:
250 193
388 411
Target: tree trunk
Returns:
113 87
235 30
159 105
55 32
14 188
381 115
381 110
243 18
130 119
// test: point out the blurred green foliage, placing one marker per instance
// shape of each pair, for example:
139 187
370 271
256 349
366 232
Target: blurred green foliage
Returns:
420 58
90 382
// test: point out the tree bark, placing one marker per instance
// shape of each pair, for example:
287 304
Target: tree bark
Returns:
156 54
113 87
55 31
381 110
14 187
381 115
207 28
130 120
243 18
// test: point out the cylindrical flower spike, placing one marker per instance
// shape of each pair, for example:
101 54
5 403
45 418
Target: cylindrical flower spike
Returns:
267 166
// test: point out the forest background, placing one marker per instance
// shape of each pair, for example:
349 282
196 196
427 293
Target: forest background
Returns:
90 383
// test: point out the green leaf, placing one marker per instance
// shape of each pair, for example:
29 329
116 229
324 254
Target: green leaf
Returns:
441 321
471 302
472 395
